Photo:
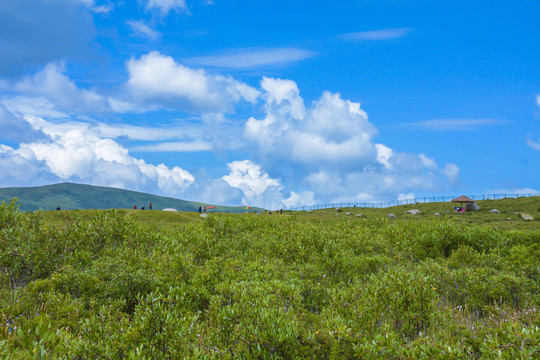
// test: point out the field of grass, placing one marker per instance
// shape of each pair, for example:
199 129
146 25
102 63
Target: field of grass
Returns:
159 285
508 218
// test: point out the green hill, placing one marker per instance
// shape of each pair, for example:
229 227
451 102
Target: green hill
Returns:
71 196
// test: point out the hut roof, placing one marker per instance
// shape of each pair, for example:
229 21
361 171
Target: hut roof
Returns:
463 199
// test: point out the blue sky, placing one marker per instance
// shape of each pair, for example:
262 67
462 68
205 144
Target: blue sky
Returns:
272 103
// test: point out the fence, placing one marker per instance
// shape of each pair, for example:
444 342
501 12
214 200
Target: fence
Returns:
384 204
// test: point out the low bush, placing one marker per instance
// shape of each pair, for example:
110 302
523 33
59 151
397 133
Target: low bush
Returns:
265 287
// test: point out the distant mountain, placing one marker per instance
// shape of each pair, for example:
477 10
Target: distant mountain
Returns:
69 196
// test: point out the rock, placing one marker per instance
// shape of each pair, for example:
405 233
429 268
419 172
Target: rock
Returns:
203 215
413 211
526 216
348 213
475 207
391 215
358 215
495 211
436 214
169 209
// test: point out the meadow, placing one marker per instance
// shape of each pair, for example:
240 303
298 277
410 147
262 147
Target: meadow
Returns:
121 284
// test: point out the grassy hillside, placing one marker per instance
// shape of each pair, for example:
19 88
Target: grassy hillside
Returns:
509 216
78 196
265 287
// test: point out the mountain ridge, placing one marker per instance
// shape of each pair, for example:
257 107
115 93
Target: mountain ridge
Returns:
71 196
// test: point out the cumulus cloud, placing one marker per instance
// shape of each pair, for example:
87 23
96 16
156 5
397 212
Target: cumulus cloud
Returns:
299 154
71 153
330 147
257 187
306 198
333 131
21 168
159 82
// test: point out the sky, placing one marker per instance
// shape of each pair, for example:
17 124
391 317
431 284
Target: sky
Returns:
277 104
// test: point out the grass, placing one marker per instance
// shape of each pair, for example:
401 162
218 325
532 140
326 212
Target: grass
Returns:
508 218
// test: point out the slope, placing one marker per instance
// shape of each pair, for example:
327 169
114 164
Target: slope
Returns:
69 196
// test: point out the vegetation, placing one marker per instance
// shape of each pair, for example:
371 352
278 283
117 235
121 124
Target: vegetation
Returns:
509 215
112 286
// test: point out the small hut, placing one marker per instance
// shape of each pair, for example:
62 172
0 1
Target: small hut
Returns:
469 204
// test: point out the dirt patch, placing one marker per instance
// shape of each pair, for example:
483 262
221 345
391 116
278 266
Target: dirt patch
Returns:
525 215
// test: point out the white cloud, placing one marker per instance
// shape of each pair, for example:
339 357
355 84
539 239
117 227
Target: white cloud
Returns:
427 162
15 128
253 58
333 131
32 106
328 149
159 82
305 198
374 35
454 124
140 29
257 187
100 9
451 171
407 196
384 154
72 153
214 191
20 168
534 144
164 6
51 83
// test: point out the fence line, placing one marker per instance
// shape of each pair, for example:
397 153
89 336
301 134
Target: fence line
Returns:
426 199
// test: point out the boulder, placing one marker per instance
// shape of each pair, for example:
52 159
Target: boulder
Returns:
391 215
495 211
